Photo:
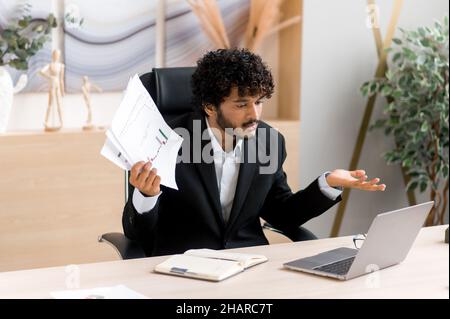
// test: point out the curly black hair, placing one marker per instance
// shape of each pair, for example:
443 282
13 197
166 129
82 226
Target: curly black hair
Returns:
218 72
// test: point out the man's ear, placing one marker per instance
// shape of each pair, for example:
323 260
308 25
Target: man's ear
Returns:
209 109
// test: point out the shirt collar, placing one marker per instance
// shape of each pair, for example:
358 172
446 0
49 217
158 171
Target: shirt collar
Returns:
217 147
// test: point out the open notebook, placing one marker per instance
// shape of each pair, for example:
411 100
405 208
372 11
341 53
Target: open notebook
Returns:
208 264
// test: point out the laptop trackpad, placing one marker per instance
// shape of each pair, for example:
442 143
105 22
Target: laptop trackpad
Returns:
323 258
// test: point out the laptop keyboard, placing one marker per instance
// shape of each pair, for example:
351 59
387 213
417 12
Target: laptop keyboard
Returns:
339 268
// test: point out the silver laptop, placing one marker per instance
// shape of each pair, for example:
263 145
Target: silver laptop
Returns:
387 243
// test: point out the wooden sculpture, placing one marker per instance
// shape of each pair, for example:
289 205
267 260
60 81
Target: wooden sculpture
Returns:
54 72
86 89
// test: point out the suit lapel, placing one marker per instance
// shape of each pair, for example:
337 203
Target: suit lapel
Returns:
207 172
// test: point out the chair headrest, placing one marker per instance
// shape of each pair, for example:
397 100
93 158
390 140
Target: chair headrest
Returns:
171 89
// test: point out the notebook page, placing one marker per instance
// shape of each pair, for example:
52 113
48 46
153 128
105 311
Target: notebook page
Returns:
245 260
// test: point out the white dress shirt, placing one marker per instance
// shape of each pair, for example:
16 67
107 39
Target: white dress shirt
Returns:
227 172
227 167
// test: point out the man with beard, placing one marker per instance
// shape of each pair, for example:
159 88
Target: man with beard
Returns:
239 177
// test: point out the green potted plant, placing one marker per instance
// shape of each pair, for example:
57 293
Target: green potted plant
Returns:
416 115
18 43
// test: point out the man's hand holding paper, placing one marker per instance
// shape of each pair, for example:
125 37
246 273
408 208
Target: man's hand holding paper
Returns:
139 134
146 179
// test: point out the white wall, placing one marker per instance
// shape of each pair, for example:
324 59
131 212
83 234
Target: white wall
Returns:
339 54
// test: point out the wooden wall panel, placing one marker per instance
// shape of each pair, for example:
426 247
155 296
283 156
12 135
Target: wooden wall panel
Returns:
291 133
57 195
289 63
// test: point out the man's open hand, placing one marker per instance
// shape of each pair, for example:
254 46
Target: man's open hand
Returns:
355 179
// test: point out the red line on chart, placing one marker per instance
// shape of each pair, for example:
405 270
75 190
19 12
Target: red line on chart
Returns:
161 144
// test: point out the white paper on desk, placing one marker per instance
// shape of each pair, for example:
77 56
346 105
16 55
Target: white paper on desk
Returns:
139 133
115 292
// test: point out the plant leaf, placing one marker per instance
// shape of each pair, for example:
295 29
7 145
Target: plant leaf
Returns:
424 127
412 185
423 186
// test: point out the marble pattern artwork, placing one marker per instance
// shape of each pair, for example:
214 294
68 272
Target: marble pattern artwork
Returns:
116 40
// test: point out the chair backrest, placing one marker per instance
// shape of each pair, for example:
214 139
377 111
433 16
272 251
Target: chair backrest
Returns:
171 90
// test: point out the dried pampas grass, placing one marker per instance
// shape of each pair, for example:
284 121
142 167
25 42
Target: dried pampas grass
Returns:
263 21
208 13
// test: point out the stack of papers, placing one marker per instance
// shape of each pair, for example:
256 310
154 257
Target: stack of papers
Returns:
139 133
116 292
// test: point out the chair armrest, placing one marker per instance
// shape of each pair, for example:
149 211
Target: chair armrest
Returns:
126 248
296 234
300 234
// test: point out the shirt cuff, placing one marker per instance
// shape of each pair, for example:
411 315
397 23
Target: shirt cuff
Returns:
144 204
330 192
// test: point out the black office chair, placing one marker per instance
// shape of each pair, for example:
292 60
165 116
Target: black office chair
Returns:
170 88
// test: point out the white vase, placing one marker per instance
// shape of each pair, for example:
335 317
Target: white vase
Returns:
7 91
6 98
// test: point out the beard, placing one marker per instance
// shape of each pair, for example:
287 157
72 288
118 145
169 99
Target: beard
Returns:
237 131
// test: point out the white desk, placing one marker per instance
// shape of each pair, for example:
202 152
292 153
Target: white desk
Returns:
424 274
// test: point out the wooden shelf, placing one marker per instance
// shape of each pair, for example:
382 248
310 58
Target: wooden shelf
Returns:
291 132
290 62
43 133
282 52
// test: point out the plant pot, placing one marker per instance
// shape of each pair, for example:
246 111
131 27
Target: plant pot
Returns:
6 98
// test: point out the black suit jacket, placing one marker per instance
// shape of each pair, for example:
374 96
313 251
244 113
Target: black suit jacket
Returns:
192 218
